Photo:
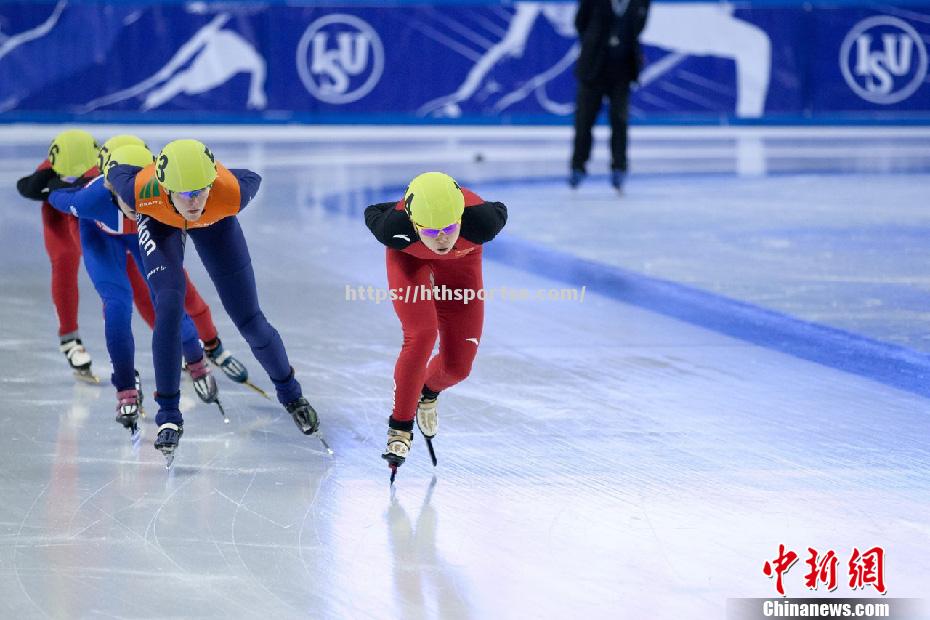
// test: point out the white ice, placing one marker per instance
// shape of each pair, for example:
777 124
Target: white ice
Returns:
602 461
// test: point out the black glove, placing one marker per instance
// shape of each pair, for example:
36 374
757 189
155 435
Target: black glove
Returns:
35 186
59 183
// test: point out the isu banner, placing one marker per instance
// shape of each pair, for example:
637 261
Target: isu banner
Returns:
470 62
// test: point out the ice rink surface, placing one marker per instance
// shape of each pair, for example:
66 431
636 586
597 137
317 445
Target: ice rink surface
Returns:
618 456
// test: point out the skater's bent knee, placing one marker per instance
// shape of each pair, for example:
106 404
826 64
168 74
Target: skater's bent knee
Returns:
169 302
420 337
458 372
256 330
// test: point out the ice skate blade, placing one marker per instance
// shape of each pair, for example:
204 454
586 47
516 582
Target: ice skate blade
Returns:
168 452
257 389
393 467
429 446
323 441
222 411
86 377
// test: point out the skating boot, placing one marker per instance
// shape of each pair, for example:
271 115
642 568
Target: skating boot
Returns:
427 416
305 417
127 410
398 446
169 435
231 366
79 360
575 177
204 383
428 420
141 397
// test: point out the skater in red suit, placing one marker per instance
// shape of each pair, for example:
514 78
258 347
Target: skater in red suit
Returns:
71 154
433 238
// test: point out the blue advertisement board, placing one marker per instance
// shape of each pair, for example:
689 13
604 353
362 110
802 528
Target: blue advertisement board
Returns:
705 62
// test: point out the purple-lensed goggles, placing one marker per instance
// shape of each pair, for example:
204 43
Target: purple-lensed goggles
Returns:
195 192
434 232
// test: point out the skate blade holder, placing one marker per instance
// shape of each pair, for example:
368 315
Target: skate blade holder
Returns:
87 377
168 453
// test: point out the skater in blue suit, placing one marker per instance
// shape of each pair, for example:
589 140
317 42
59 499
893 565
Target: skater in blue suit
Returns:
187 193
107 233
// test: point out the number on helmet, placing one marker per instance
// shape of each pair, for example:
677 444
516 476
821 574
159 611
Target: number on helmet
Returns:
160 168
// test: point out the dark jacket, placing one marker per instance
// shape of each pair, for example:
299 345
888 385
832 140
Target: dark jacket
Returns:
598 27
390 224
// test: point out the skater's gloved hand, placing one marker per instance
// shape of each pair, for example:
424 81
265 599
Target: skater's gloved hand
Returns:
59 183
35 186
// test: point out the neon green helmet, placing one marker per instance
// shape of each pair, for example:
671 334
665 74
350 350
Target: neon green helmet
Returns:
131 155
185 165
114 143
73 152
434 200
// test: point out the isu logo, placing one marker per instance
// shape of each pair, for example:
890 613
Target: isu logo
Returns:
883 60
340 58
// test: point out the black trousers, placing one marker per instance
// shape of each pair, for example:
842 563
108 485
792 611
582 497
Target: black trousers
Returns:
587 106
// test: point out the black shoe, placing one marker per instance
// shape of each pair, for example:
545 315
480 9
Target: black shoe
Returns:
575 178
617 177
305 417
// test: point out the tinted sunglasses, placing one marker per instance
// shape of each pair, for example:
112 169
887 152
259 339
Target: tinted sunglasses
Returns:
195 192
434 232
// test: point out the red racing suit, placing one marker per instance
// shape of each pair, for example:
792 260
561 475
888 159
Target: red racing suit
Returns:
413 269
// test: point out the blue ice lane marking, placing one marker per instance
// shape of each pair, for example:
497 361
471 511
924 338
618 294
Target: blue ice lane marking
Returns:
892 365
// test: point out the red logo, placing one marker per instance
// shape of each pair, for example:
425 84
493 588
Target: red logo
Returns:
865 569
823 570
783 562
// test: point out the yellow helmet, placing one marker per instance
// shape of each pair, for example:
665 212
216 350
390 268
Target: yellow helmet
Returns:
185 165
114 143
434 200
73 152
131 154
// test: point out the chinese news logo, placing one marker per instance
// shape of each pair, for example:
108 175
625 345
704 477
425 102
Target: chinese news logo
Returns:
863 569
